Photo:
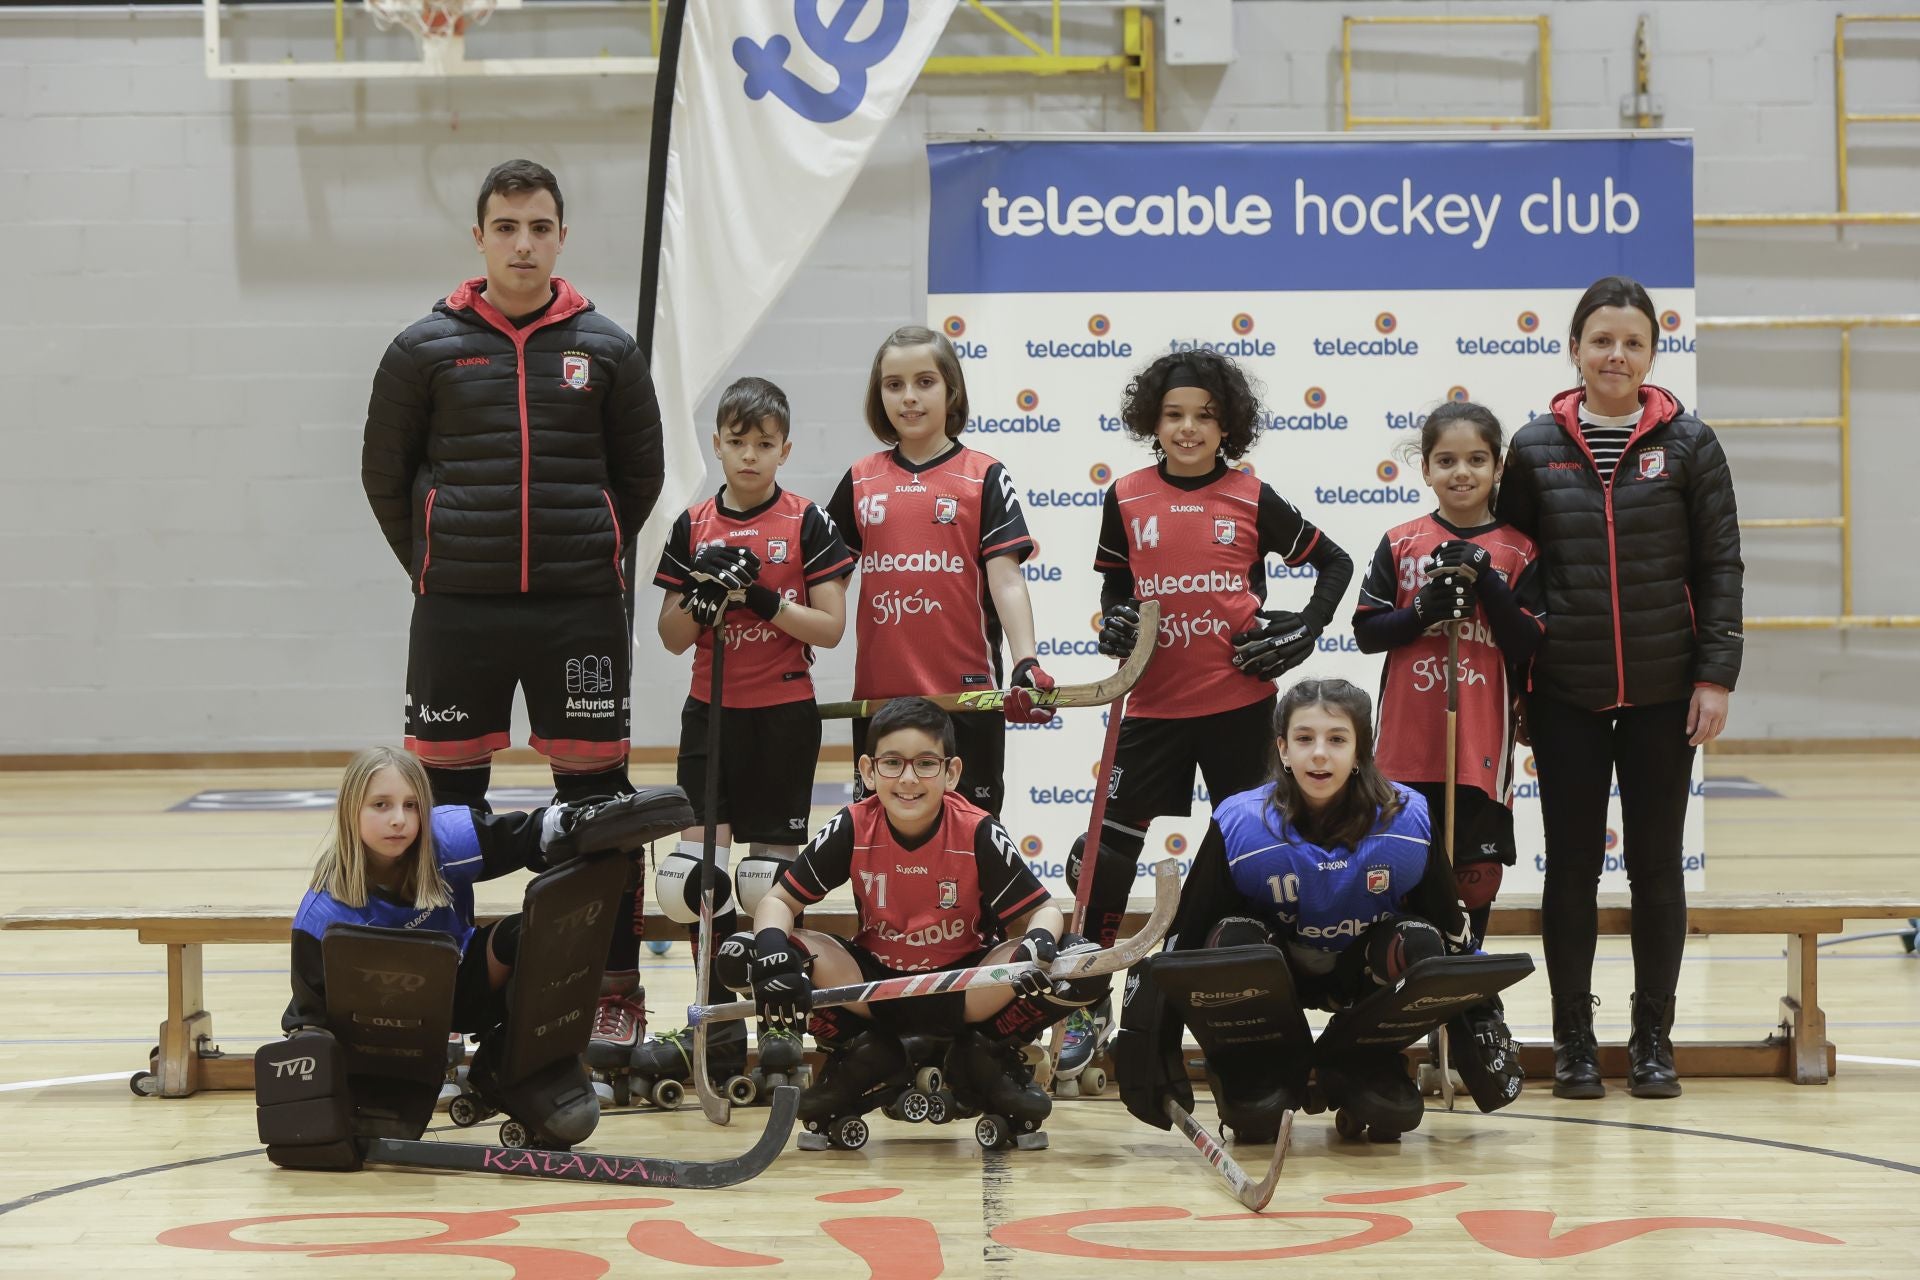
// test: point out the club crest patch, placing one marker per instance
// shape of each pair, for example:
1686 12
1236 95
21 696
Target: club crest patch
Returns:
949 894
776 550
946 510
573 371
1377 879
1223 532
1653 462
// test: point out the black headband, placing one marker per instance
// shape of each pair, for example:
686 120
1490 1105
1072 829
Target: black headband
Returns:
1185 374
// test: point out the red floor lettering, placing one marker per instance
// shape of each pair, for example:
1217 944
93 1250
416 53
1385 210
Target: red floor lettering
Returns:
892 1248
865 1196
1396 1195
671 1240
1528 1233
1053 1233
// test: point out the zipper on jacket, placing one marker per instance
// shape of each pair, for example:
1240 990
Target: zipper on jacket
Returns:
1613 589
618 541
426 539
519 339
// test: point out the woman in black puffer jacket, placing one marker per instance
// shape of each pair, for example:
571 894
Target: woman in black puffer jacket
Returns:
1630 500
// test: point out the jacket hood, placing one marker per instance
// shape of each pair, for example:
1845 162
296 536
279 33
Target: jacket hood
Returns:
471 297
1658 404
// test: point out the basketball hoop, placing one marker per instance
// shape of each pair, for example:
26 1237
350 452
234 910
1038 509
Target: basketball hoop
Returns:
431 20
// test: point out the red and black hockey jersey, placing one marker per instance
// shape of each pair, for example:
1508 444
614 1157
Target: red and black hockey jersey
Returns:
924 533
798 549
925 907
1198 545
1412 715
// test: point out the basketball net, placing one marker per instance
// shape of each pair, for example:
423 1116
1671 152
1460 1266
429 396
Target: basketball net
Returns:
439 25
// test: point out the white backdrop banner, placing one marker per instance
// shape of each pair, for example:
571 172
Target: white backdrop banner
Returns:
1361 281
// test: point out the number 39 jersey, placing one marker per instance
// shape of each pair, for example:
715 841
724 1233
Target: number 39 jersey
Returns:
925 907
923 533
1198 546
1412 733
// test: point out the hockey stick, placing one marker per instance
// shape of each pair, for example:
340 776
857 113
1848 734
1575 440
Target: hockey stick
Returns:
1123 954
1097 694
1089 853
1453 754
713 1103
1254 1195
589 1166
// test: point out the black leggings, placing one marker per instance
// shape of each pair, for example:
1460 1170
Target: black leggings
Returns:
1577 752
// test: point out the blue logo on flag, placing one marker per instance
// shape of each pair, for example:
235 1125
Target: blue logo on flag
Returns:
766 65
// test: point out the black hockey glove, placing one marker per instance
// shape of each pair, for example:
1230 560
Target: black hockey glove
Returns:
1444 599
1019 707
1120 629
599 825
1468 558
705 601
1280 643
734 568
782 991
1038 946
764 602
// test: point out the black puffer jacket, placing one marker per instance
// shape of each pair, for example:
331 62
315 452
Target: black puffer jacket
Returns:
502 461
1644 576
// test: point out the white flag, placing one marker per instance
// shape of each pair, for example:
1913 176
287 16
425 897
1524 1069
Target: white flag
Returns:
776 106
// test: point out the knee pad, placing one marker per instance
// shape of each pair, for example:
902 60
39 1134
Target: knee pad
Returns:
1117 859
504 939
759 869
1479 883
1239 931
305 1108
733 962
1398 947
676 882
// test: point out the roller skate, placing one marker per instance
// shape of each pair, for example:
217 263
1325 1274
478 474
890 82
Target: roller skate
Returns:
860 1076
661 1068
553 1108
619 1022
1088 1031
996 1080
1371 1096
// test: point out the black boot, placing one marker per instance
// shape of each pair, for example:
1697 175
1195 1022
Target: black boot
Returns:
1576 1054
1650 1048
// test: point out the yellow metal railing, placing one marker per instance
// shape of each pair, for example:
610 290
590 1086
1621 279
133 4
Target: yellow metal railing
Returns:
1134 61
1844 214
1843 423
1544 57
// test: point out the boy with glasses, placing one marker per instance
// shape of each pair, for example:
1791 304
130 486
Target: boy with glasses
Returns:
937 884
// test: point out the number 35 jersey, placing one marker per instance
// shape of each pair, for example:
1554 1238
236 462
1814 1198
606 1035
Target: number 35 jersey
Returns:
923 533
1197 544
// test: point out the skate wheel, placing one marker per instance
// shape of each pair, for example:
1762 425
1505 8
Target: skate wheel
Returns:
144 1084
849 1133
659 948
667 1094
1429 1080
622 1090
1376 1134
914 1106
937 1110
741 1091
1096 1080
1066 1086
928 1080
992 1132
514 1134
464 1111
1348 1125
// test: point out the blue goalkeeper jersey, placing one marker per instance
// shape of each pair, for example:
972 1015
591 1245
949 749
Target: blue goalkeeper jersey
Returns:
456 845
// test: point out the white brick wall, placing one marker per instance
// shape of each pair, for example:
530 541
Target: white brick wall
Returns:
205 276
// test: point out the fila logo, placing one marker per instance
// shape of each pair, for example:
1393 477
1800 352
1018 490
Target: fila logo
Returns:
302 1067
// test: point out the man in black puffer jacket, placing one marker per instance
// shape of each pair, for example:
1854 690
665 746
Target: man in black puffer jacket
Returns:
512 452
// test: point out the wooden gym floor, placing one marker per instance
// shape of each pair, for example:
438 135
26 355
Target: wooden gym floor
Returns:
1737 1178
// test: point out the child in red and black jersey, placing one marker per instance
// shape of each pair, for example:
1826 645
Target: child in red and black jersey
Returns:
1193 533
938 885
791 566
940 536
1407 601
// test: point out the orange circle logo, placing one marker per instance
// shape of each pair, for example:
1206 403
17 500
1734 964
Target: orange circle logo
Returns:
1099 326
1176 843
1669 320
953 326
1031 846
1385 322
1243 324
1458 395
1387 471
1028 400
1316 398
1100 473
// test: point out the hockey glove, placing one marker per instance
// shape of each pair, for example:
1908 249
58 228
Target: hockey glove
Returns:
734 568
765 602
569 831
1120 629
782 991
705 601
1467 558
1444 599
1019 707
1038 946
1280 643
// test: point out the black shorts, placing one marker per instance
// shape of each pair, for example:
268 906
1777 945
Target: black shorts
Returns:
570 655
941 1014
767 756
1154 761
1482 826
982 739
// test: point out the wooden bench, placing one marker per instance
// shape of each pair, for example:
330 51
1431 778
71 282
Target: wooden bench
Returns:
187 1059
